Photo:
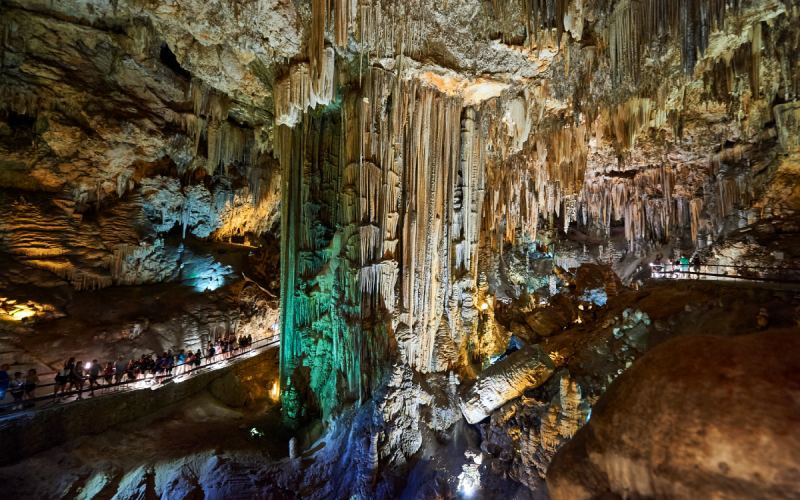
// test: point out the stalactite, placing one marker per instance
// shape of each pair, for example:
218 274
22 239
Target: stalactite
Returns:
208 102
227 144
300 90
630 118
389 197
533 181
635 24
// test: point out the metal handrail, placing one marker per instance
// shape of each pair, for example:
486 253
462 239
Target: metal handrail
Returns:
670 270
106 389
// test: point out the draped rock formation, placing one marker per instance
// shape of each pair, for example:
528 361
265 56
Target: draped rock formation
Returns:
382 198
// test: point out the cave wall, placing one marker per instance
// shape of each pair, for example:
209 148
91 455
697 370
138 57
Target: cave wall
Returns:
108 143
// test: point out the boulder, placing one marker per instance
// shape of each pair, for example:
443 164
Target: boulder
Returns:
560 313
696 417
525 369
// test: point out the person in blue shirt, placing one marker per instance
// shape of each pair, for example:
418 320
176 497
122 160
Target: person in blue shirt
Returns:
684 264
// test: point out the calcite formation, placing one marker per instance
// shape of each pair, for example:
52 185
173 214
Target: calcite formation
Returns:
527 368
430 169
524 435
379 200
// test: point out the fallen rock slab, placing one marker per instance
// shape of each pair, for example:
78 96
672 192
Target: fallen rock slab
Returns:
525 369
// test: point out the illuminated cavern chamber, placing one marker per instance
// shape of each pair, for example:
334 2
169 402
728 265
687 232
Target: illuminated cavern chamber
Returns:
472 199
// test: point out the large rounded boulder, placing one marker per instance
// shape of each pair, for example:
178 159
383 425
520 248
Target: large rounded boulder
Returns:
696 417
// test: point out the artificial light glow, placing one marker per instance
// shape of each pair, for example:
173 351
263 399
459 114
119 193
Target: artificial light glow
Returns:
87 365
22 313
484 306
275 392
13 310
470 478
466 487
210 276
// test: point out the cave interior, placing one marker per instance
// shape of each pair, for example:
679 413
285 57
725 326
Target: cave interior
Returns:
416 249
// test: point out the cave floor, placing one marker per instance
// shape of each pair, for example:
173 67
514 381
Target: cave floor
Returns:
203 446
185 438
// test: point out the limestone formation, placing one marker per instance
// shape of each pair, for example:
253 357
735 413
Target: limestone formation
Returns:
671 426
508 379
456 204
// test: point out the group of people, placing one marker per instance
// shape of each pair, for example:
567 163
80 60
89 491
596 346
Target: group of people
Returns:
75 374
682 263
21 387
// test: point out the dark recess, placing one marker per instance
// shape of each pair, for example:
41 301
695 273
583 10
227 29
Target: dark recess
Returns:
169 60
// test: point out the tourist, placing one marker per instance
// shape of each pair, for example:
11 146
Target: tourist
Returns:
131 370
4 381
224 348
78 378
198 358
31 381
189 362
170 362
69 367
180 361
62 378
160 365
684 262
120 367
94 374
17 389
696 264
211 353
108 373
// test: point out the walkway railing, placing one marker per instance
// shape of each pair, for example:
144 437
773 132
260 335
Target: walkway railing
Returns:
178 374
726 272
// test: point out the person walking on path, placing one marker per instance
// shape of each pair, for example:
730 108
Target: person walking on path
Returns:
120 367
4 381
31 381
63 377
17 389
94 374
77 378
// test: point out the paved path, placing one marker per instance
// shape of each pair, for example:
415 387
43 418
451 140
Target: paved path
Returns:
45 398
720 272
